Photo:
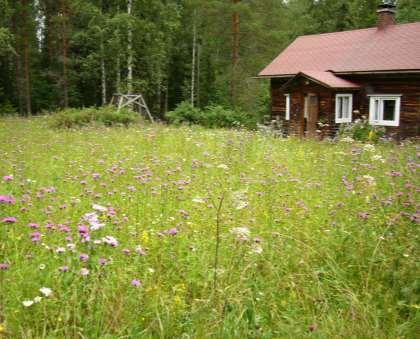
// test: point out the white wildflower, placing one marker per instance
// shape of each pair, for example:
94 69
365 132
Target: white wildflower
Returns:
27 303
37 299
369 180
241 205
46 291
99 208
347 139
198 200
369 148
42 267
223 166
240 231
256 249
377 157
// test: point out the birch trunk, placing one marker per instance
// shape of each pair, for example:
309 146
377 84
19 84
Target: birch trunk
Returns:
118 77
18 66
193 61
26 60
64 50
103 73
130 50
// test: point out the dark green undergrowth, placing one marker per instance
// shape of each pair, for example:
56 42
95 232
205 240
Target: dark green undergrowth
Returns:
108 116
213 116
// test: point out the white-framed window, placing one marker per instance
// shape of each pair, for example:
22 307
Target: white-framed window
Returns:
343 108
287 114
384 109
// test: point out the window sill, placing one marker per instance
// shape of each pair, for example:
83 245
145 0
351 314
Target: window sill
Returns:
385 123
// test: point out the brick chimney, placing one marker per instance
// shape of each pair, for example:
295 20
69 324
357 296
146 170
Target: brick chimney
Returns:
386 14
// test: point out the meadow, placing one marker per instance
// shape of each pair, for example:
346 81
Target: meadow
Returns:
161 232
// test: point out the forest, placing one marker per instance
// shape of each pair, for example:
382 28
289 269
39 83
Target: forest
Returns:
77 53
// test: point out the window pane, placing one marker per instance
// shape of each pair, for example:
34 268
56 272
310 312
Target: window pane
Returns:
389 110
346 104
339 104
376 112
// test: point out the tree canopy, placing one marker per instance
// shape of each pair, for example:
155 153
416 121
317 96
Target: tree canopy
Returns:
59 53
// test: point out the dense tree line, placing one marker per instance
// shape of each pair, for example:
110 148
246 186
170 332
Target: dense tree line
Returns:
59 53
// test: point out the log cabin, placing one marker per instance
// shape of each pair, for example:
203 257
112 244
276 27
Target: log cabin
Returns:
324 80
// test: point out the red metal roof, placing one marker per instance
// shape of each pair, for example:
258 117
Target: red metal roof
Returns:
395 48
328 79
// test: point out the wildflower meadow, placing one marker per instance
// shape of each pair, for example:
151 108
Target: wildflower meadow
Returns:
161 232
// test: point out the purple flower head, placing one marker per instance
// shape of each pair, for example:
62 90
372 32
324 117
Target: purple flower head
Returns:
64 228
126 251
83 257
110 241
140 251
84 232
111 212
136 283
172 231
49 225
8 178
33 226
35 237
102 261
4 266
96 176
63 269
7 199
9 220
363 215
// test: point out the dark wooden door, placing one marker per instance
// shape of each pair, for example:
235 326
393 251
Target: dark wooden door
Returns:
312 115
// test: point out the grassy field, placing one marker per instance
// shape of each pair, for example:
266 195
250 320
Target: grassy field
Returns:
191 233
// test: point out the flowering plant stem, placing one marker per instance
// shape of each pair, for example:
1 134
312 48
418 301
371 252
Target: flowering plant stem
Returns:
216 252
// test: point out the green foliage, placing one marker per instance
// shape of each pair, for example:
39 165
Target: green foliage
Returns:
212 116
6 42
184 113
361 130
108 116
6 108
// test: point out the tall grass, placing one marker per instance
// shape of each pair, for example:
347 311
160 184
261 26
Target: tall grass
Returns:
315 239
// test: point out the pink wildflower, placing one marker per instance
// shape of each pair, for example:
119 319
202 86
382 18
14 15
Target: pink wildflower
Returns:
135 282
9 220
4 266
84 257
7 199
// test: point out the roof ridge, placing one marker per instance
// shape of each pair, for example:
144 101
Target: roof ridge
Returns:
354 30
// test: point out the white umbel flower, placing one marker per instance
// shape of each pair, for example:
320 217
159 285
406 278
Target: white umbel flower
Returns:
46 291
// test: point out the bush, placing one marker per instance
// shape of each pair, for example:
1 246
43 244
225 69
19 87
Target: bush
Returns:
361 130
108 116
214 116
7 108
184 113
